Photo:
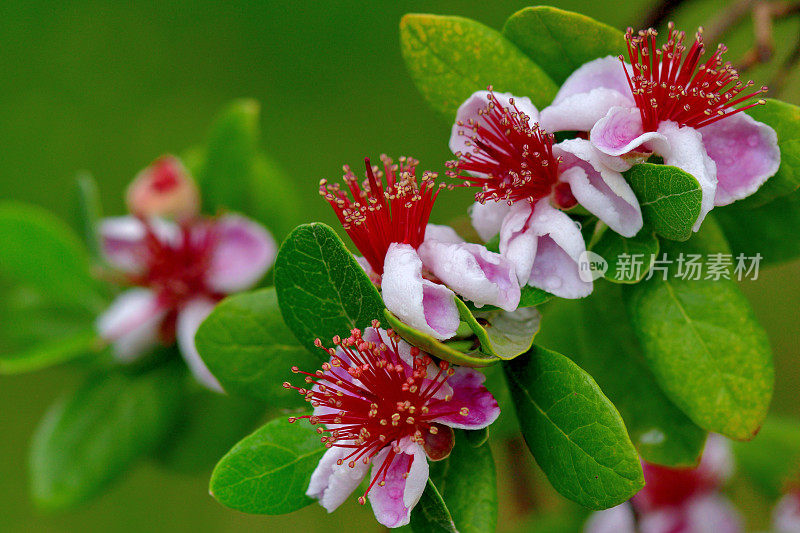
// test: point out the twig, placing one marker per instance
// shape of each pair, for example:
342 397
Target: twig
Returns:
659 14
778 81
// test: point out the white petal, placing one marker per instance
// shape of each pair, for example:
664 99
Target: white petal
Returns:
516 243
436 232
189 320
621 131
132 323
487 218
331 483
468 114
580 112
243 253
618 519
605 72
786 515
420 303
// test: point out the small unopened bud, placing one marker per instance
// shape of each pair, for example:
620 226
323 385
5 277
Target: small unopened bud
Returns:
164 189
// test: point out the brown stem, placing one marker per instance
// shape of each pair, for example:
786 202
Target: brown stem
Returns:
660 12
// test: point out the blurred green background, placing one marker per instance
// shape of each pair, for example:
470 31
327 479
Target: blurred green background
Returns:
108 86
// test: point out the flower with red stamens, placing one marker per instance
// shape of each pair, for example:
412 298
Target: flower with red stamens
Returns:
178 272
669 102
380 401
524 177
677 500
419 266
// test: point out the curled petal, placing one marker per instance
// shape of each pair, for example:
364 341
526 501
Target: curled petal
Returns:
132 323
620 132
618 519
472 271
243 253
517 244
601 190
189 320
436 232
420 303
472 406
405 482
469 114
605 72
332 483
487 218
746 154
580 112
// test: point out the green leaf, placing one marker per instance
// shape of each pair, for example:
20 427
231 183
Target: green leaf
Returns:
503 334
43 253
784 118
771 459
561 41
268 472
209 424
322 290
670 198
629 259
225 173
769 230
449 58
471 498
273 197
249 349
597 334
431 515
90 437
703 343
575 433
49 353
89 211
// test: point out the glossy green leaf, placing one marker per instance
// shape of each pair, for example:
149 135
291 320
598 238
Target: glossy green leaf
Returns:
208 425
573 431
670 198
591 331
769 231
703 343
48 353
321 289
449 58
268 472
431 515
472 498
771 459
628 259
784 118
561 41
529 297
90 437
503 334
249 349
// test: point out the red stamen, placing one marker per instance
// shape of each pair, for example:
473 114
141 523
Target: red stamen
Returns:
514 158
389 401
667 86
376 215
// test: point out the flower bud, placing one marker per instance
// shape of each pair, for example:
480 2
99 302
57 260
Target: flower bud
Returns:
164 189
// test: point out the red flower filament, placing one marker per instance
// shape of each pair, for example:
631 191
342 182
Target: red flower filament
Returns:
374 400
669 83
512 160
375 214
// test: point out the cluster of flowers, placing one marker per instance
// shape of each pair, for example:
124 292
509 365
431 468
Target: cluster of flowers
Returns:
382 401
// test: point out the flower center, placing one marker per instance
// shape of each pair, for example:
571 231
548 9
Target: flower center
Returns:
176 266
368 398
510 159
378 215
668 86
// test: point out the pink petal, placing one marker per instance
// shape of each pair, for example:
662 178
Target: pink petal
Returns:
580 112
132 323
469 393
707 514
405 480
517 244
746 153
122 241
618 519
332 483
620 131
468 114
717 461
472 271
418 302
605 72
436 232
601 190
786 515
189 319
243 253
682 147
487 218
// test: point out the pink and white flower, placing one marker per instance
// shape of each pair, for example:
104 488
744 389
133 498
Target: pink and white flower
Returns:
786 515
669 103
179 272
419 267
677 500
164 189
525 179
382 402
